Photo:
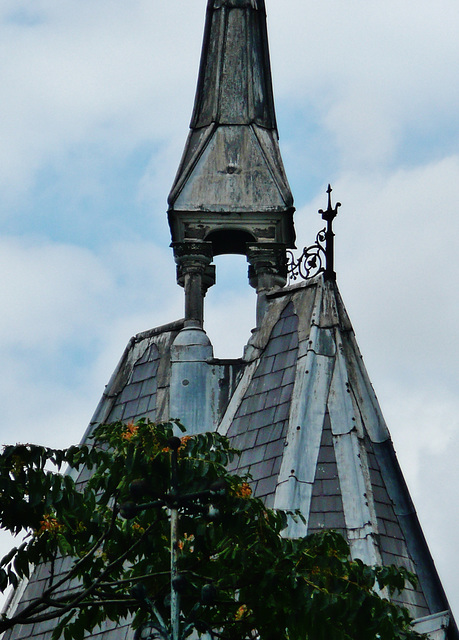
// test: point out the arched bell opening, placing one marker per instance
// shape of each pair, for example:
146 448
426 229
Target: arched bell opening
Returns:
229 307
230 241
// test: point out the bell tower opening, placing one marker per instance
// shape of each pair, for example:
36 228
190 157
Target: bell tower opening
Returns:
229 311
232 241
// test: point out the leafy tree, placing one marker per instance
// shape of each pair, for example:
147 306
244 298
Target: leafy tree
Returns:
237 576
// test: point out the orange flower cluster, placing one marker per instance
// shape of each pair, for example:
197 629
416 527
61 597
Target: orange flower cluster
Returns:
49 525
244 491
241 612
184 442
137 528
130 431
186 539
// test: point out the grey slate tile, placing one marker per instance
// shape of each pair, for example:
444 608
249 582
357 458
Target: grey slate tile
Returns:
131 410
328 504
273 397
291 322
276 345
316 522
276 379
152 403
144 371
244 440
253 404
385 512
278 328
269 433
131 392
265 366
116 413
252 456
288 376
264 418
334 520
326 471
262 469
266 486
392 529
277 462
280 361
327 454
269 501
282 410
285 359
148 387
380 495
327 437
274 449
286 393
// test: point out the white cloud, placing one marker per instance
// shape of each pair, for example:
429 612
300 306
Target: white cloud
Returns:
76 74
372 70
67 315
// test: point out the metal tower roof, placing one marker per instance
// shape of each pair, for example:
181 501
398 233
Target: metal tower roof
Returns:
232 161
302 410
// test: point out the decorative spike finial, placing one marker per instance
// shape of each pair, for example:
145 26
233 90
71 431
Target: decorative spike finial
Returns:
319 257
329 215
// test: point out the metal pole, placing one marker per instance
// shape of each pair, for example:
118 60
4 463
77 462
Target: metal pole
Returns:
175 598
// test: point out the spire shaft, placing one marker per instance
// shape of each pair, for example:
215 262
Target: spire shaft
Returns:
234 85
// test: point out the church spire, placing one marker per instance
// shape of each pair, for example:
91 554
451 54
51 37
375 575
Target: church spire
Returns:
234 84
231 194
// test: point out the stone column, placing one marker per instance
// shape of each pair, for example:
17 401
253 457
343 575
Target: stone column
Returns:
195 274
267 271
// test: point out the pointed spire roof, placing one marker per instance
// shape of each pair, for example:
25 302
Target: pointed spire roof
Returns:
232 161
234 85
313 438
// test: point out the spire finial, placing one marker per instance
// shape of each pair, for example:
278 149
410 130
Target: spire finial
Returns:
318 257
329 215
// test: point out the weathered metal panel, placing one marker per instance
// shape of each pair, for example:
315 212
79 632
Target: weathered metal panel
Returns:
354 490
231 175
343 415
234 84
436 625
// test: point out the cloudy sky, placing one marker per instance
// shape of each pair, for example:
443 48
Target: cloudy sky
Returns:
96 97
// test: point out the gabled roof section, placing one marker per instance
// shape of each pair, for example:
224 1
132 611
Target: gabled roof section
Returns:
233 142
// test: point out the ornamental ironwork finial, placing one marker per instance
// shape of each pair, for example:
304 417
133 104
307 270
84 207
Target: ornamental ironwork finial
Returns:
318 257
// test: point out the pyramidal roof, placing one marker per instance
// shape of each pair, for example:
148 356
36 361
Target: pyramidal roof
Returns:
302 410
299 404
